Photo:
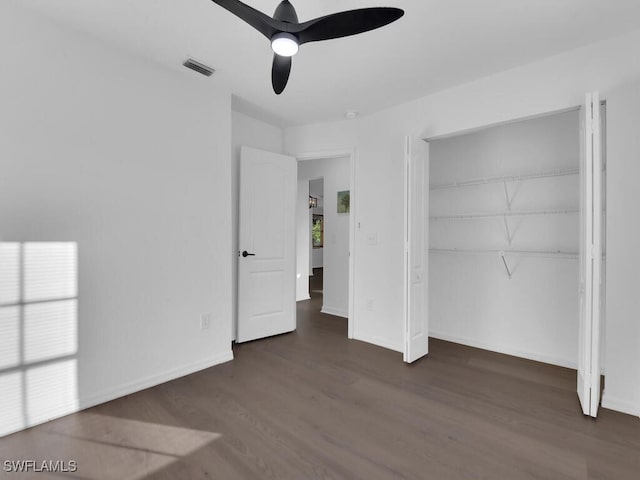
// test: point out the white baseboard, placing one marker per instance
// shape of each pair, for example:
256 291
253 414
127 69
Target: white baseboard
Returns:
380 342
537 357
620 405
338 312
153 380
131 387
303 298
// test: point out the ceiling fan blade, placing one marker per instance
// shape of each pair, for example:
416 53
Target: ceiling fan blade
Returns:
280 73
346 23
258 20
286 12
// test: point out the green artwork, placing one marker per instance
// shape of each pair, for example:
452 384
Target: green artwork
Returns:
344 199
317 231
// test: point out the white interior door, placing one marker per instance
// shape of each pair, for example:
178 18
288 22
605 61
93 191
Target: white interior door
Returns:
267 249
590 256
416 343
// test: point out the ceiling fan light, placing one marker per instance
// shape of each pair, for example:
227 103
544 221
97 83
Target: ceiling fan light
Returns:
284 44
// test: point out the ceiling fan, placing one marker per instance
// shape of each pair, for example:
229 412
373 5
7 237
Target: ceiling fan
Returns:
287 34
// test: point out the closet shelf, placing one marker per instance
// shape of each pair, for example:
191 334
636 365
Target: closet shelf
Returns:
475 216
502 253
510 178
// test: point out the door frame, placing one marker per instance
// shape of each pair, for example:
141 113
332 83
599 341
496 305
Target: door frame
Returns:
351 153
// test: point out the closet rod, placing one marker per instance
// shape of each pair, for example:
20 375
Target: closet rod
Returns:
473 216
510 178
502 253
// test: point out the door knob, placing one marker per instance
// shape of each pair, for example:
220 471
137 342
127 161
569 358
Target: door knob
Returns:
246 254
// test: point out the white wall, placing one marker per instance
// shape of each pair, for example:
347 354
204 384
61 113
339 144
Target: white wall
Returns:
317 257
336 174
553 84
471 299
622 387
132 162
248 132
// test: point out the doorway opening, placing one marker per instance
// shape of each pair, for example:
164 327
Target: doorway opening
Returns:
324 228
512 210
316 253
505 230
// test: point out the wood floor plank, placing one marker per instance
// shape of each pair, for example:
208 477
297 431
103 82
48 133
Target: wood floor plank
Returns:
314 405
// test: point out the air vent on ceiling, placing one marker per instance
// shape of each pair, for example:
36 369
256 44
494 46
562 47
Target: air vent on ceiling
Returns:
198 67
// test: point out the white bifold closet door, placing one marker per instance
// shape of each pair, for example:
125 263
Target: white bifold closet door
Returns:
416 335
590 256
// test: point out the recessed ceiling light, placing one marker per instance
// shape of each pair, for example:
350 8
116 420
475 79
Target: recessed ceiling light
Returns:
351 114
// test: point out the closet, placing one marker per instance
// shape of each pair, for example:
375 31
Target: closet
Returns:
504 238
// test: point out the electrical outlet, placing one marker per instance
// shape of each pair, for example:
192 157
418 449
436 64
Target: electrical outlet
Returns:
205 321
370 304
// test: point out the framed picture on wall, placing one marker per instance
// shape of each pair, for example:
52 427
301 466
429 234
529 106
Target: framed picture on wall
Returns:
317 231
344 200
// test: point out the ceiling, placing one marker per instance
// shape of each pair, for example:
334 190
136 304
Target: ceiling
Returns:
436 45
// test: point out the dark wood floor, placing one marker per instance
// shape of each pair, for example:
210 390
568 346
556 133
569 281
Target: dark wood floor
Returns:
316 283
314 405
